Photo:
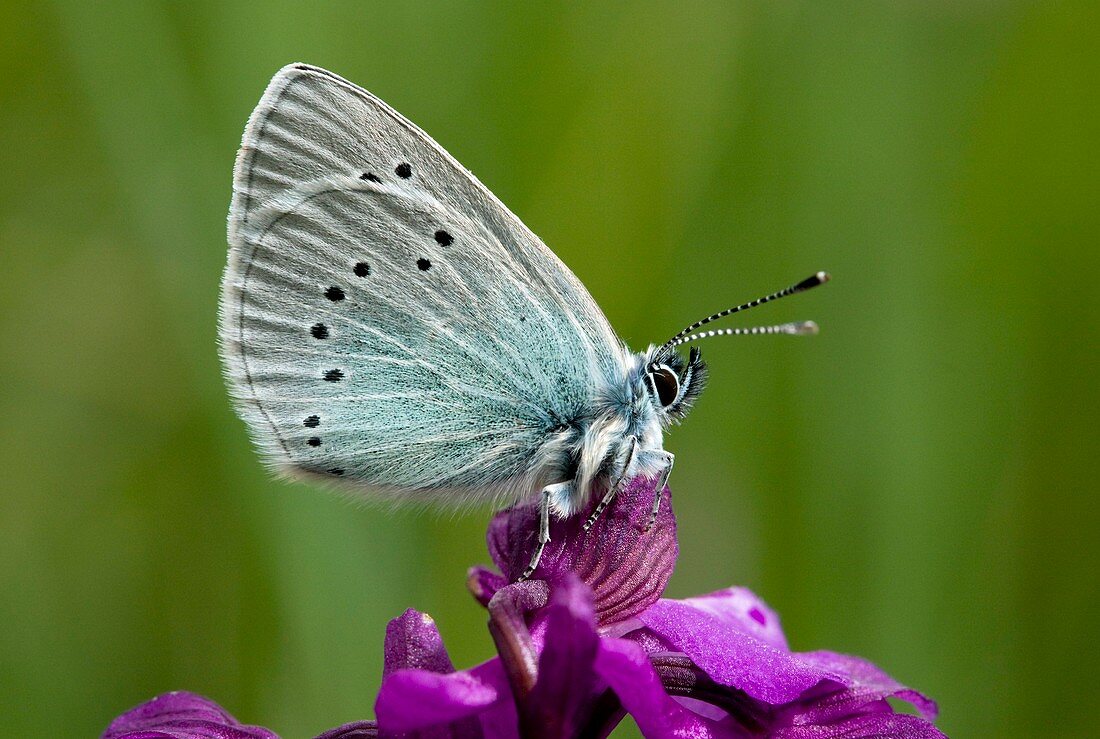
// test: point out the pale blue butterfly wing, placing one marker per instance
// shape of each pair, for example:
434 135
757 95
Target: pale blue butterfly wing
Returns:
385 320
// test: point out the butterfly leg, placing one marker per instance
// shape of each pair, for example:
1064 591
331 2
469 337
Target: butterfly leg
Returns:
548 493
659 491
613 489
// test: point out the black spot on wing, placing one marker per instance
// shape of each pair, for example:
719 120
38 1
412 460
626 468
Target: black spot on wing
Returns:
312 422
403 170
362 269
314 441
443 238
423 264
334 294
370 177
319 331
333 375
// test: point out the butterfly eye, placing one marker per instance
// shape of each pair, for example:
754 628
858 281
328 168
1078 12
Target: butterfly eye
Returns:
666 383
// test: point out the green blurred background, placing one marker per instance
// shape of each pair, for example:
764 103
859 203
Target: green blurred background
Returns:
915 485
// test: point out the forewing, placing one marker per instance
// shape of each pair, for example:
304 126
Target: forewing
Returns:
385 319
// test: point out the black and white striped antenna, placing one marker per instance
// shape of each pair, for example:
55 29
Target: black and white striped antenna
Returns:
800 328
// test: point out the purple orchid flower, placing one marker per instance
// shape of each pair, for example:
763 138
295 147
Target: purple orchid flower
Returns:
589 640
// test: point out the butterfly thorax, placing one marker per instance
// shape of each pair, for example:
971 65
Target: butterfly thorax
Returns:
620 437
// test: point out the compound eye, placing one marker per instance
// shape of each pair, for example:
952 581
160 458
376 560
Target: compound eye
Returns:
667 384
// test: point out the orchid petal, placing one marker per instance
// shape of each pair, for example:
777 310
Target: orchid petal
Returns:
626 668
411 700
181 715
413 642
565 688
866 726
861 677
728 654
735 638
354 730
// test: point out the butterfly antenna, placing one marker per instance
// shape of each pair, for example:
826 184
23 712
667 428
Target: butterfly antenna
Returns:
798 329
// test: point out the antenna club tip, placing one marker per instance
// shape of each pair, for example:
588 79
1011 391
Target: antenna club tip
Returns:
805 328
818 278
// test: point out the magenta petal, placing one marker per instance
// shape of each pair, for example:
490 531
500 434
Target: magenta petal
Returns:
728 654
181 715
626 668
483 583
867 726
413 646
564 690
354 730
865 680
413 642
626 566
745 611
411 700
736 640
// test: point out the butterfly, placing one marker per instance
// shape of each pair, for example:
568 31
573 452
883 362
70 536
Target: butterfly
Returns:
389 325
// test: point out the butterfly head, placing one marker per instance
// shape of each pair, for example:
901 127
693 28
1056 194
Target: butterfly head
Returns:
673 383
